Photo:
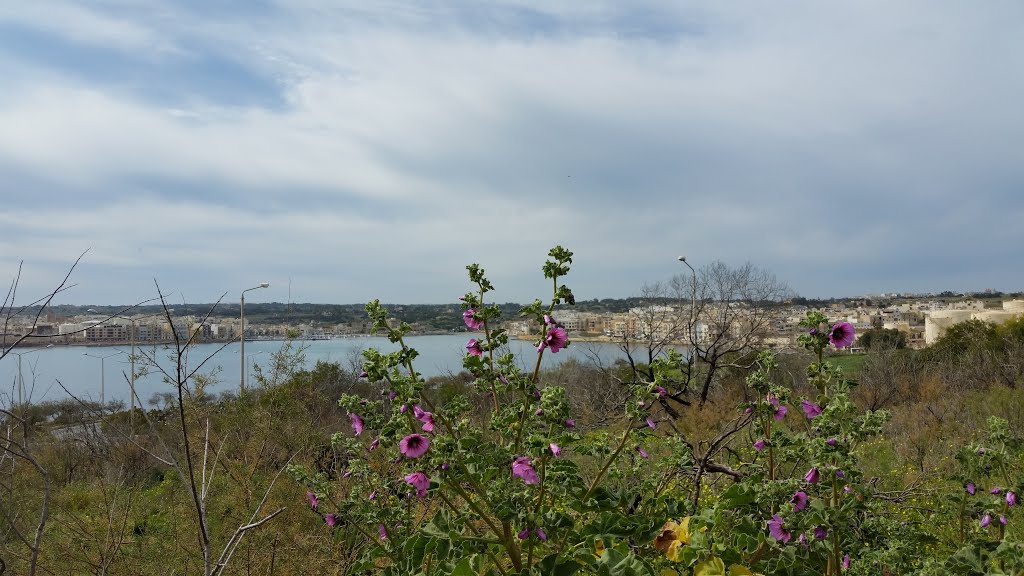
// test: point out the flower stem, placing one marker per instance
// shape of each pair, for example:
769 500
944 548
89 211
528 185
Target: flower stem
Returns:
604 469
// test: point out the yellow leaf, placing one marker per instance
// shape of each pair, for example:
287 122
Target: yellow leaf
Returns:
598 548
668 572
711 567
737 570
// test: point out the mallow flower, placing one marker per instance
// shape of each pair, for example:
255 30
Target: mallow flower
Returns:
523 469
555 450
331 519
776 530
420 482
841 335
759 445
799 500
1011 498
812 476
313 501
414 445
780 410
970 488
811 409
471 322
473 347
556 339
357 423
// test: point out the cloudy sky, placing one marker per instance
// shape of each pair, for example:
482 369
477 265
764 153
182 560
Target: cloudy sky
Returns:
372 149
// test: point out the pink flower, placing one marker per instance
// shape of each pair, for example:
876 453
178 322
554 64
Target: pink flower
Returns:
522 468
543 537
549 320
651 423
471 322
1002 520
414 445
831 441
780 411
643 453
313 501
799 500
555 450
777 531
383 531
556 339
811 409
846 562
374 444
423 416
372 496
420 482
570 423
660 391
985 520
841 335
473 347
357 423
331 519
1011 498
970 488
812 476
759 445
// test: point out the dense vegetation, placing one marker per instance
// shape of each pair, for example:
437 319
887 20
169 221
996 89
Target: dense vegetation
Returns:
792 466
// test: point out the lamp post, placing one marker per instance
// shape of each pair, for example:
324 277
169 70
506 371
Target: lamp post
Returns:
103 374
693 293
241 311
21 376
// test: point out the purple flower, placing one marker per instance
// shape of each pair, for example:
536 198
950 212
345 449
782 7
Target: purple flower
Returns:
831 442
840 474
471 322
811 409
538 412
820 533
799 500
995 491
420 482
524 534
445 466
841 335
555 450
651 423
777 531
383 531
970 488
346 474
1011 498
985 520
331 519
313 501
473 347
812 476
357 423
570 423
372 496
403 408
556 339
423 416
643 453
543 536
802 539
392 395
759 445
660 391
522 468
374 444
549 320
1002 520
414 445
780 411
363 374
846 562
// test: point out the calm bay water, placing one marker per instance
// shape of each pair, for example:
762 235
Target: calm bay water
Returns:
81 374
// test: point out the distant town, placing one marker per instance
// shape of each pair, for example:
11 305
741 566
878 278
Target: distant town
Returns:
920 319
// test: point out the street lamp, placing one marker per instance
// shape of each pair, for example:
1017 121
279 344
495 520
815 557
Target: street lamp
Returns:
693 290
241 311
103 374
131 380
21 377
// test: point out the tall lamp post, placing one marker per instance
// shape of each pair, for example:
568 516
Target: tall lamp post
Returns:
131 380
21 376
693 291
241 311
103 374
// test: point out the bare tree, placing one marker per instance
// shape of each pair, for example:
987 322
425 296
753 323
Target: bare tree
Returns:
731 313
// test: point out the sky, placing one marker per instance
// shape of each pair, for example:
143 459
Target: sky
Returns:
350 150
